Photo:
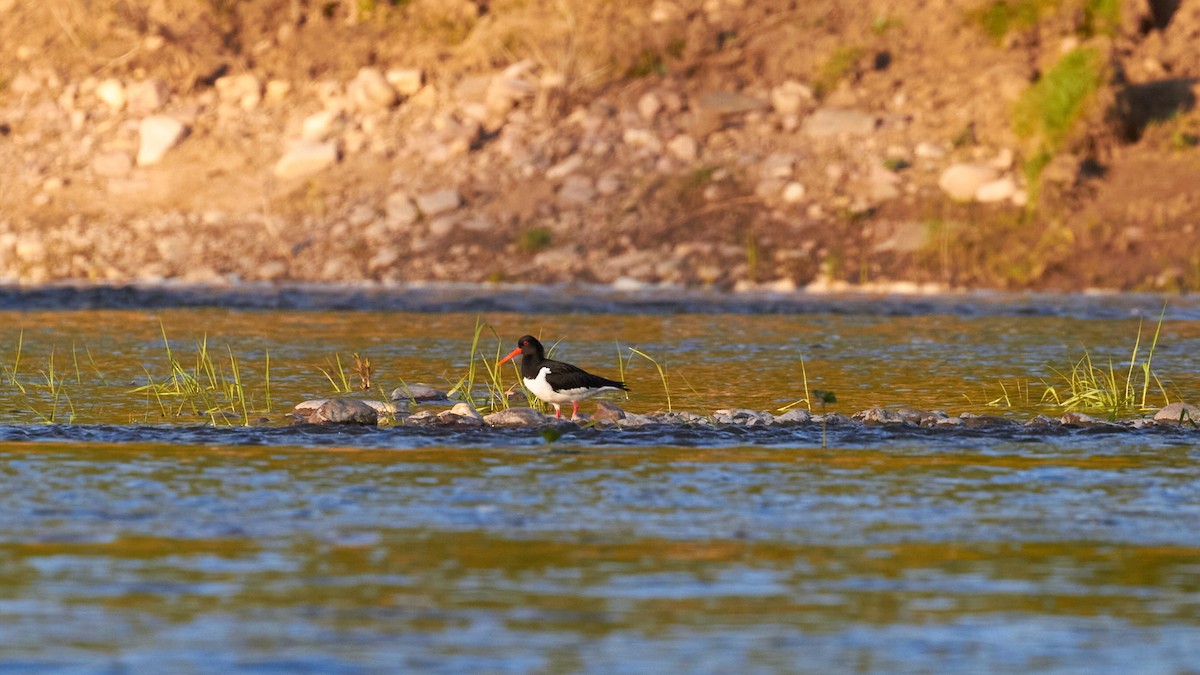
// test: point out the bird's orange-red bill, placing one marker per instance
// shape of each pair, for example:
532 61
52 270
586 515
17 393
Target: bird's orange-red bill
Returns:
514 353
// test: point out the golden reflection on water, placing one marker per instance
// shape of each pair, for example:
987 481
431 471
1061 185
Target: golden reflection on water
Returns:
958 364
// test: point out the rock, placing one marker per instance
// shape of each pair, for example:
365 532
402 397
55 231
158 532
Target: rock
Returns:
383 407
648 105
684 148
962 181
436 203
306 158
789 97
116 164
422 417
743 417
370 91
1183 413
244 90
729 103
794 416
518 417
1042 422
793 192
401 212
778 165
1077 419
833 122
608 184
464 409
636 420
608 412
158 134
112 93
999 190
576 190
337 411
406 81
421 393
146 96
23 83
927 150
277 90
565 168
512 86
319 126
449 418
880 416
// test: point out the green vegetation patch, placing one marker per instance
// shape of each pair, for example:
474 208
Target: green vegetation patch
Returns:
841 63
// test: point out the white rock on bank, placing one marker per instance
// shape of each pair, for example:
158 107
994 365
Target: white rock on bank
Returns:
962 181
112 93
146 96
999 190
406 81
684 148
789 97
244 90
370 90
158 134
832 122
306 158
436 203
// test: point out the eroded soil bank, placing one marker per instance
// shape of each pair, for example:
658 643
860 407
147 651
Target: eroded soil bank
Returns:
724 144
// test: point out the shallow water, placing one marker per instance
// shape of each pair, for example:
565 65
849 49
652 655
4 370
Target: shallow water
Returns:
131 541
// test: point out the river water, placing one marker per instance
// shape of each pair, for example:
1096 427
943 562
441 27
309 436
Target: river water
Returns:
139 534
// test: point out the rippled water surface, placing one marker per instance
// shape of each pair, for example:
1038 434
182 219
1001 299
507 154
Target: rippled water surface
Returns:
137 541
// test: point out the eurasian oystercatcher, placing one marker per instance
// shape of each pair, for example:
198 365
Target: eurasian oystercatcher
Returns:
556 382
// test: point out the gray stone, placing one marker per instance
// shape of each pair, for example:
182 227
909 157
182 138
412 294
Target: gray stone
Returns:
449 418
442 201
244 90
962 181
370 91
794 416
648 105
790 96
319 126
1178 412
684 148
517 417
421 393
729 103
406 81
340 411
112 93
743 417
880 416
158 134
146 96
464 409
401 212
576 190
832 122
565 168
116 164
1078 419
999 190
306 158
608 412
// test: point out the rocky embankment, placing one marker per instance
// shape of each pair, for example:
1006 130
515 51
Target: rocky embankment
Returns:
730 159
349 411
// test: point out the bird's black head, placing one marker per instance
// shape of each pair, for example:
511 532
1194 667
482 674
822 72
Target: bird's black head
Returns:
528 346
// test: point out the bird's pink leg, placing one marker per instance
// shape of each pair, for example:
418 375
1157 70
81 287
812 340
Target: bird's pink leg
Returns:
557 412
575 410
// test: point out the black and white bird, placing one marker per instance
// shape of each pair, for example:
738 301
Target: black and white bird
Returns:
556 382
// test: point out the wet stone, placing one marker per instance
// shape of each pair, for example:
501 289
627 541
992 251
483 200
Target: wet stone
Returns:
337 411
743 417
1179 412
608 412
794 416
880 416
421 393
518 417
1078 419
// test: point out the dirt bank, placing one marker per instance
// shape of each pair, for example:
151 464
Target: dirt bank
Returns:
714 143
